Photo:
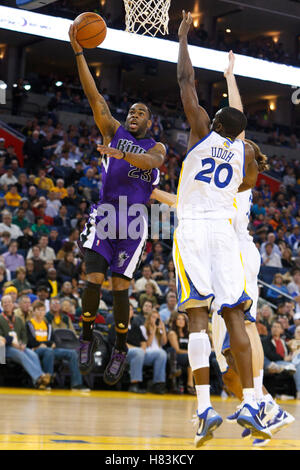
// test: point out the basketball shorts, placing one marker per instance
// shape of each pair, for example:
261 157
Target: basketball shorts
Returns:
220 337
123 255
209 268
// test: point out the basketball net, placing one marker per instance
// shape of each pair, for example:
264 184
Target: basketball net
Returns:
147 16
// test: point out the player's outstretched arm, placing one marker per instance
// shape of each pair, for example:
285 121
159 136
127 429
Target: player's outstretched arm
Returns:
195 114
154 157
235 100
103 118
164 197
251 169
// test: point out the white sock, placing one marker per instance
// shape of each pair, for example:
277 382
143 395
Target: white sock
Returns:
203 397
249 397
258 387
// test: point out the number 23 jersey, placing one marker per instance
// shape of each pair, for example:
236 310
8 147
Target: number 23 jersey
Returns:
120 178
211 174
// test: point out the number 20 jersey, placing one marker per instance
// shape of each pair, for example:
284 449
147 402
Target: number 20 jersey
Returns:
211 174
120 178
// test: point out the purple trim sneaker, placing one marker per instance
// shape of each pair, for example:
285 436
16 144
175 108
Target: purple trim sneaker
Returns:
115 368
86 353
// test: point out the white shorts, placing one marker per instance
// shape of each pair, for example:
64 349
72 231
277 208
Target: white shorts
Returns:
209 268
251 260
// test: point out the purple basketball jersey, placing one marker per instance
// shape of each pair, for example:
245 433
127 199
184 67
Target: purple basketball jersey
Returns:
120 178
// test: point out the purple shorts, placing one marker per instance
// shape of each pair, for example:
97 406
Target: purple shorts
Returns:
122 253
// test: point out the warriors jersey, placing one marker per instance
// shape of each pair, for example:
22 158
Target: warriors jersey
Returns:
211 174
243 202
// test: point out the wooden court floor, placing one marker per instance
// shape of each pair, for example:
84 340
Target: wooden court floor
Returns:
108 420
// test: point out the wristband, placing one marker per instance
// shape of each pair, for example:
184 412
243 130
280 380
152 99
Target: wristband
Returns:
78 53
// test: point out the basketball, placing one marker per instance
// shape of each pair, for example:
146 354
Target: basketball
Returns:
91 30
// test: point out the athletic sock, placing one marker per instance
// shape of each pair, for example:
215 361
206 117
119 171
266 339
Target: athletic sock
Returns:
249 397
258 382
121 317
90 304
203 397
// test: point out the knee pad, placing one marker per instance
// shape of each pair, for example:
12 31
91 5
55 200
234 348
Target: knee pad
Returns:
199 350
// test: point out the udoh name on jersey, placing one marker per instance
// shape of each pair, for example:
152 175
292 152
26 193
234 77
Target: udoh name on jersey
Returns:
223 154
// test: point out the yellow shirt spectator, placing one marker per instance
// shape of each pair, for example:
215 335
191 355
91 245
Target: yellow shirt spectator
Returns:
12 197
44 183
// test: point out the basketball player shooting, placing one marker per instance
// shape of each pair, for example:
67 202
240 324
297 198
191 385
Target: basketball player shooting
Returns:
206 248
129 168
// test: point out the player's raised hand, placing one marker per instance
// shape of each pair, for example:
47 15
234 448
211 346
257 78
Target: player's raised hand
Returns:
110 152
231 61
185 24
72 35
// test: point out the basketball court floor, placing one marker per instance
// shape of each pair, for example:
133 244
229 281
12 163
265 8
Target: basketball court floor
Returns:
108 420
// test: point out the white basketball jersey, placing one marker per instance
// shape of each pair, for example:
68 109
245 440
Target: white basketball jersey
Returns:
241 218
210 177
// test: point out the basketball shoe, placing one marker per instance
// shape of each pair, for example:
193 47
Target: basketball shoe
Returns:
281 420
207 422
86 353
115 368
249 419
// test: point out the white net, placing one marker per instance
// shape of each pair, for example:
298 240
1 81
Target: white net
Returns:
147 16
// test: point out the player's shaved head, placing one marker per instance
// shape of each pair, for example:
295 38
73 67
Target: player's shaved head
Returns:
229 122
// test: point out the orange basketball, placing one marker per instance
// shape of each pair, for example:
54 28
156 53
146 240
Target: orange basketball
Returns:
91 30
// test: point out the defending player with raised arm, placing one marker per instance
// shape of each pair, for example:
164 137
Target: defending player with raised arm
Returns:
274 416
228 122
131 173
206 252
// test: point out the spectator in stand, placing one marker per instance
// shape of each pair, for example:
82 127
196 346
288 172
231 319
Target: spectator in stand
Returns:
12 197
52 282
32 275
33 151
39 264
88 185
62 222
60 188
294 288
154 332
271 238
270 258
294 347
13 330
296 322
287 259
43 182
8 178
287 335
56 318
20 282
20 220
5 276
5 240
178 337
24 309
53 204
149 294
66 269
43 294
40 227
276 350
168 310
40 339
140 284
7 226
273 295
54 241
12 259
147 308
